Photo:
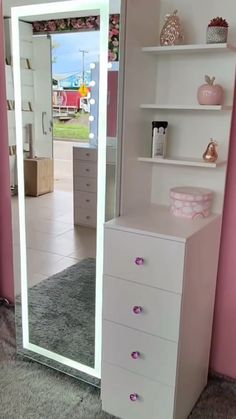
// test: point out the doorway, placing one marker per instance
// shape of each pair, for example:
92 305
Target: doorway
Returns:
73 55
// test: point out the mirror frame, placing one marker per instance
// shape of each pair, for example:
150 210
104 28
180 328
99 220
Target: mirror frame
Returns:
17 13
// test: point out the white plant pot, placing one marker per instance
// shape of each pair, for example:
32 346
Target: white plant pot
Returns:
216 35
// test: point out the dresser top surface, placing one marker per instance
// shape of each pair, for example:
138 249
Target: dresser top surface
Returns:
157 220
85 146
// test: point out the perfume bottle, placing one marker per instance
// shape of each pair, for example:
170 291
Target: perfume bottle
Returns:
159 137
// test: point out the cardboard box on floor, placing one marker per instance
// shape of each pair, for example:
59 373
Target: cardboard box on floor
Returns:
38 176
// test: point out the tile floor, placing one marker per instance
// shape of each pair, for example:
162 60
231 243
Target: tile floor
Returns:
53 242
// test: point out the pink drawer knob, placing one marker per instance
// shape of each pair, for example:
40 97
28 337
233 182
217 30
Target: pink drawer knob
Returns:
139 261
137 309
133 397
135 355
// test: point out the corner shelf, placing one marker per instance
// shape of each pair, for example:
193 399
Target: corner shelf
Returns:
186 107
191 48
182 161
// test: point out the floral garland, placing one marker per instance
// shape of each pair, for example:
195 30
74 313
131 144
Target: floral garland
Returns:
90 23
114 38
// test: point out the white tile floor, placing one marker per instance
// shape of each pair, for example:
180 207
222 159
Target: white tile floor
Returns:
53 242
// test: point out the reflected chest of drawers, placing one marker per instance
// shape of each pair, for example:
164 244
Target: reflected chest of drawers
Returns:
85 186
158 299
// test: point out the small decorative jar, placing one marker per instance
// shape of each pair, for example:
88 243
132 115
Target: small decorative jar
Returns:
191 202
210 93
217 31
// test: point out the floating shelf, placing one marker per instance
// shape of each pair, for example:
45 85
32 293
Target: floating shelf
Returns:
186 107
198 48
182 161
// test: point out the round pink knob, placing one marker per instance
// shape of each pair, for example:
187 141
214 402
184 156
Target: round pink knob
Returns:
137 309
139 261
133 397
135 355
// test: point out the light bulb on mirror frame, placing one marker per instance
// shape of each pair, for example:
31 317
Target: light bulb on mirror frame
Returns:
91 118
92 101
91 135
109 65
92 83
92 65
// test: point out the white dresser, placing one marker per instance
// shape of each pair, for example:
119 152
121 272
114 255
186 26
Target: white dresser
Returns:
159 287
85 186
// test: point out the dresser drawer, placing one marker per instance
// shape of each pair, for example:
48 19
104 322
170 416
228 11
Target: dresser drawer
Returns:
85 154
85 184
85 217
161 262
85 200
160 310
87 169
139 352
154 400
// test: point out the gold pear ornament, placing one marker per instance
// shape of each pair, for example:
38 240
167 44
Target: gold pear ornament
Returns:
211 155
172 31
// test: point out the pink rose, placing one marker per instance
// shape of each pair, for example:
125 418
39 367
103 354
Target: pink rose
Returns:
115 19
112 56
37 26
51 26
62 24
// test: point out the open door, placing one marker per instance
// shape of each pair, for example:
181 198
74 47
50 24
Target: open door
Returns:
43 96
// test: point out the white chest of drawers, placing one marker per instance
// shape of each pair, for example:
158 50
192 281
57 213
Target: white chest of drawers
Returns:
85 186
158 300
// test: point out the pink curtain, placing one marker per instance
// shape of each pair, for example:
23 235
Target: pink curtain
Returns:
223 354
6 253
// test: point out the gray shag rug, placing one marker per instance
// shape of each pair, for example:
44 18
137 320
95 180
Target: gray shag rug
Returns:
29 390
62 312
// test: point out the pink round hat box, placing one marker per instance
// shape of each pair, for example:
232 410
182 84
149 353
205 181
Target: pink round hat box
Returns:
191 202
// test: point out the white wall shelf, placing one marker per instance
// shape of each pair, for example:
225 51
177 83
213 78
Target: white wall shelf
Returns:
186 107
198 48
182 161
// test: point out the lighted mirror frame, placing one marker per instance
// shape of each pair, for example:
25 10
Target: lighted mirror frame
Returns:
102 8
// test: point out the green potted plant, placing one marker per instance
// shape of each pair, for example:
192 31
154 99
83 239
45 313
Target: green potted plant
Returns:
217 31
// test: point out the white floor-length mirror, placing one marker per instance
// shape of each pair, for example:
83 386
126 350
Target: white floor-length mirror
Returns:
63 94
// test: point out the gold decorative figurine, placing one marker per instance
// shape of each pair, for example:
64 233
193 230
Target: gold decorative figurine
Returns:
211 154
172 31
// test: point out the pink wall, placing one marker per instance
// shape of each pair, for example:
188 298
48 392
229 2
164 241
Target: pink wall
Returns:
223 357
6 258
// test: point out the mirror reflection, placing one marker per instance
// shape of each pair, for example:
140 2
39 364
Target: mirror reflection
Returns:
60 98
